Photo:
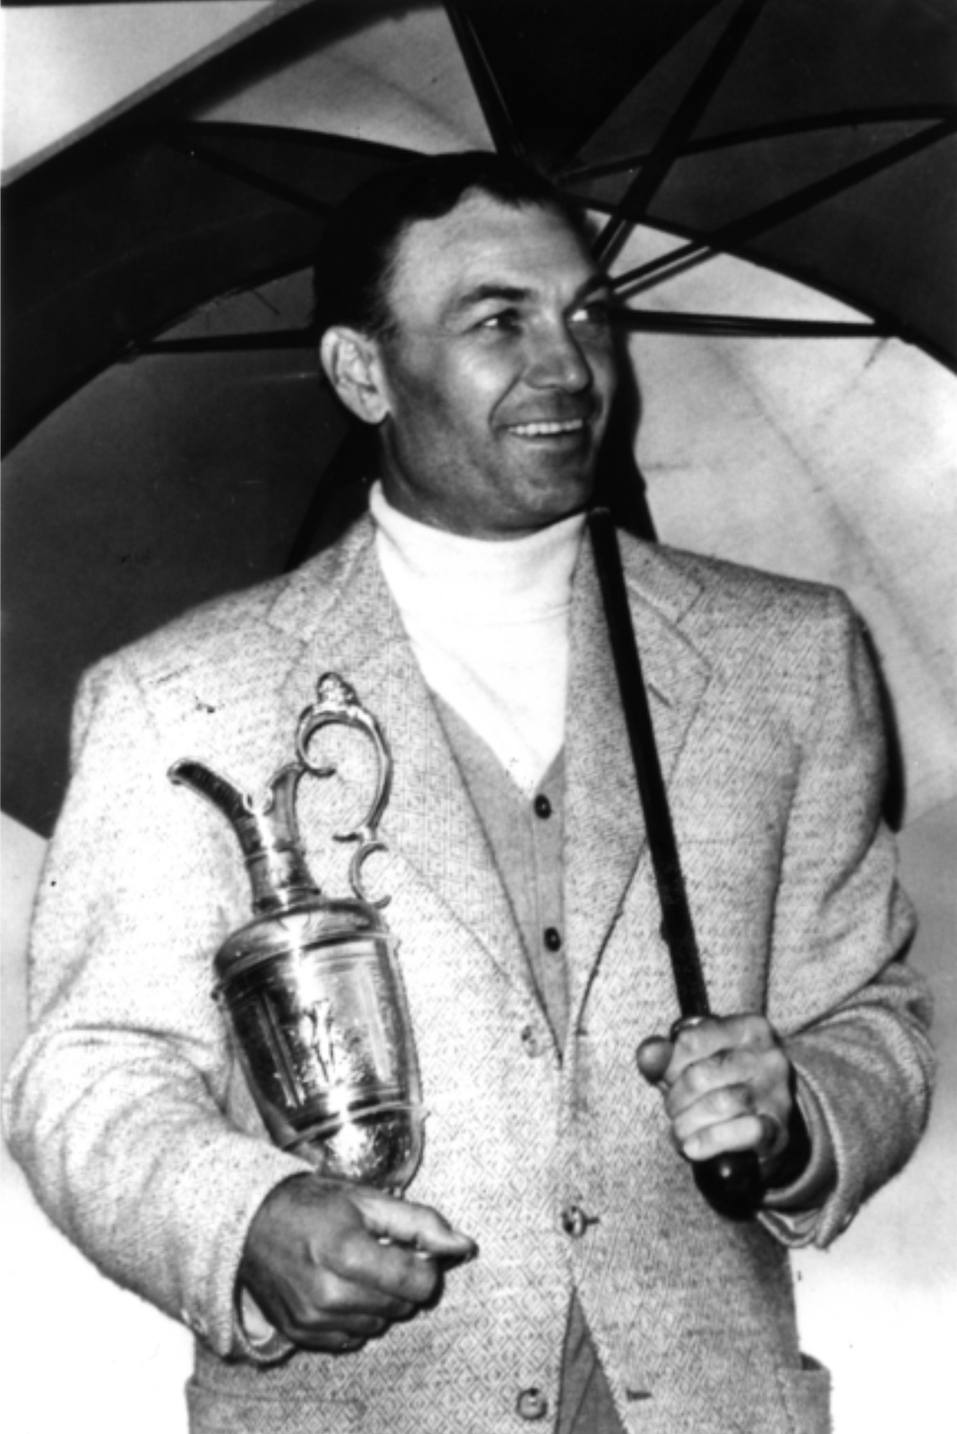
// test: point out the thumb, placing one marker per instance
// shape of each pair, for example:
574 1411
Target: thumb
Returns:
406 1223
653 1057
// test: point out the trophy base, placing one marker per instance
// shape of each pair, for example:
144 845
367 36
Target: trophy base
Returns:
380 1147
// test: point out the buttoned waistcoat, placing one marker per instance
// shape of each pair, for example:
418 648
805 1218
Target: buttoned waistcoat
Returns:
129 1113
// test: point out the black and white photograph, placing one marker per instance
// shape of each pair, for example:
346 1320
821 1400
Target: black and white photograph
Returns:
479 723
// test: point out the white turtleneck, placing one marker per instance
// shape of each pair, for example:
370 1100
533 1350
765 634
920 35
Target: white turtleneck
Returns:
488 622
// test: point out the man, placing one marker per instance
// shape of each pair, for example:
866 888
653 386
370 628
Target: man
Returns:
554 1262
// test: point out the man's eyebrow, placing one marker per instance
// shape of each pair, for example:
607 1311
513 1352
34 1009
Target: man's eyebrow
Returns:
599 285
482 293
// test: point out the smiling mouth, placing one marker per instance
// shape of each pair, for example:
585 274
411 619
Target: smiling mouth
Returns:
554 429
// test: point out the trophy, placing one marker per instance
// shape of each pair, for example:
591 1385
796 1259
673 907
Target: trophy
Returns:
310 987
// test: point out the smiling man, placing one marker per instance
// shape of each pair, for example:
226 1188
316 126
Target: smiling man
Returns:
494 379
554 1264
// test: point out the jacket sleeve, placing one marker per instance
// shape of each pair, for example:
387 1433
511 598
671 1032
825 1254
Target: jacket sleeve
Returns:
115 1105
853 1013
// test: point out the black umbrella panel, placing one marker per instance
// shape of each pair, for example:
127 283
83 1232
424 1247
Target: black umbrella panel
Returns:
155 460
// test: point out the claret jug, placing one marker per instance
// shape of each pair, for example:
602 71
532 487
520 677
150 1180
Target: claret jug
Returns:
311 987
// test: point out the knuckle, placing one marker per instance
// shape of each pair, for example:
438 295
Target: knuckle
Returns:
349 1343
418 1280
305 1312
367 1326
703 1074
350 1256
778 1064
741 1097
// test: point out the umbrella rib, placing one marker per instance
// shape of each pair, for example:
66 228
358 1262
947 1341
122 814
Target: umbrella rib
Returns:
321 140
782 129
246 174
739 231
671 142
744 326
302 338
490 97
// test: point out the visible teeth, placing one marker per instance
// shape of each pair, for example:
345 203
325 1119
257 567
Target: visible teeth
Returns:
544 430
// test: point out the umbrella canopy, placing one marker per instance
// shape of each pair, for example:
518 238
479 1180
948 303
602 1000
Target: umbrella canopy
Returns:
810 136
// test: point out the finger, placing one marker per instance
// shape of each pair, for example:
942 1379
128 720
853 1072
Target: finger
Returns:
744 1132
418 1226
653 1057
725 1071
353 1326
773 1136
370 1276
766 1071
718 1106
713 1034
335 1307
351 1346
331 1301
331 1341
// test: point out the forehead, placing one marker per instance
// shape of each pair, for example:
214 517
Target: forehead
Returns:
481 244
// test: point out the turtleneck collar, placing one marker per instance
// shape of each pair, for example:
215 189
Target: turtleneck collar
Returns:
506 581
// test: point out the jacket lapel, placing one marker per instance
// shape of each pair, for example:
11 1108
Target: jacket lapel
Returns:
341 611
430 826
605 831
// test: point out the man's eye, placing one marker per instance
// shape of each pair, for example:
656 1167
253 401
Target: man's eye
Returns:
596 316
507 319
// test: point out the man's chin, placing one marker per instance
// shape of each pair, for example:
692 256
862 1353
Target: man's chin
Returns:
560 489
542 508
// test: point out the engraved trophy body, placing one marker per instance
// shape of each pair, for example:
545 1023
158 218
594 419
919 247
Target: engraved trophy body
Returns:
311 987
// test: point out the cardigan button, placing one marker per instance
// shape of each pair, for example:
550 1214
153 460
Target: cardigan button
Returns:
531 1404
575 1222
531 1041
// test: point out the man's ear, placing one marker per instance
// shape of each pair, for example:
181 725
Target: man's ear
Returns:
352 365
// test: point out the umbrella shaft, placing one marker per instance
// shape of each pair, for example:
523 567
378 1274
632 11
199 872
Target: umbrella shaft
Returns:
677 928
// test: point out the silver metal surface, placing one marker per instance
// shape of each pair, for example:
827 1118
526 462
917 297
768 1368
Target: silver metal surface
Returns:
311 987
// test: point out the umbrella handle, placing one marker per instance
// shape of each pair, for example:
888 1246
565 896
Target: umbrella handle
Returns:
731 1183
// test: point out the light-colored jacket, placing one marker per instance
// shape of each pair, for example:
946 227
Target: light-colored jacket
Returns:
128 1112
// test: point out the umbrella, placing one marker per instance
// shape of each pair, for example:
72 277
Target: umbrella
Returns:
141 478
809 135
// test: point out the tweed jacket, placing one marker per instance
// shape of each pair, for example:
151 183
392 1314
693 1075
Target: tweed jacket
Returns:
128 1111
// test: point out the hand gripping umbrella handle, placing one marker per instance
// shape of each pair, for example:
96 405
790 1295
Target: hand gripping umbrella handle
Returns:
731 1183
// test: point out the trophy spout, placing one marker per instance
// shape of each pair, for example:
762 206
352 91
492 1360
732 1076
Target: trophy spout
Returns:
267 832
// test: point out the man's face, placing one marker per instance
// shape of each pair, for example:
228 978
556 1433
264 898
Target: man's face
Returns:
500 373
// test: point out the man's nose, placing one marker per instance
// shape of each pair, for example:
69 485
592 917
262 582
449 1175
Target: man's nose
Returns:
555 360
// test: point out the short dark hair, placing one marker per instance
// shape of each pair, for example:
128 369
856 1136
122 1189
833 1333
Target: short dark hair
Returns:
355 259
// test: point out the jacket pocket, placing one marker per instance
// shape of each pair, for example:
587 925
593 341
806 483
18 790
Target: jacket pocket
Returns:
216 1411
807 1396
723 1393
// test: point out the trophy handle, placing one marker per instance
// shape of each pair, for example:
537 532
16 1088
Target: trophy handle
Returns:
338 704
